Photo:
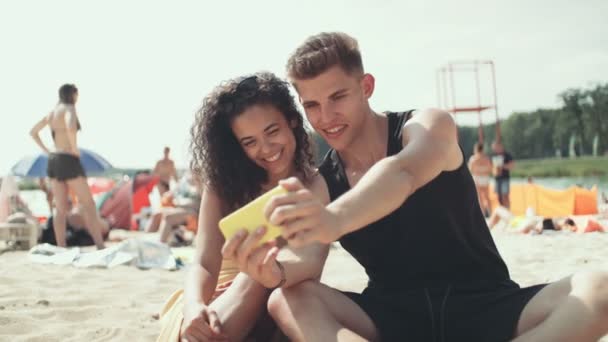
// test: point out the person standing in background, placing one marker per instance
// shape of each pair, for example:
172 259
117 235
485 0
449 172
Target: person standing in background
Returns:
503 163
64 168
481 169
165 170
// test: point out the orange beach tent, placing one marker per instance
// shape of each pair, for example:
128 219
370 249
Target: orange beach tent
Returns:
548 202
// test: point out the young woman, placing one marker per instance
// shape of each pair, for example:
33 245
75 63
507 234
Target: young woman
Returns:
247 136
64 169
481 170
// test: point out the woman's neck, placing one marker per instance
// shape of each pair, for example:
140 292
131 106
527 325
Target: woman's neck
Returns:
273 180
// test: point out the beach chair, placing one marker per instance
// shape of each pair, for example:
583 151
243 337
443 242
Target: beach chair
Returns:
19 235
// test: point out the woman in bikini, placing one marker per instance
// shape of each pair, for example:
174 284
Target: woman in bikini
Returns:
247 136
64 168
481 169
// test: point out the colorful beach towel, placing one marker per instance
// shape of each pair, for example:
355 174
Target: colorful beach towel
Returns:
137 252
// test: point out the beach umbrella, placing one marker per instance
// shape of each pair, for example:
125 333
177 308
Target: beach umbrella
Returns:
35 166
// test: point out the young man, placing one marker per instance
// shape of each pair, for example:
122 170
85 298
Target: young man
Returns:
502 163
404 205
165 169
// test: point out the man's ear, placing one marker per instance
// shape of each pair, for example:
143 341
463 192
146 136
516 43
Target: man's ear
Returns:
368 84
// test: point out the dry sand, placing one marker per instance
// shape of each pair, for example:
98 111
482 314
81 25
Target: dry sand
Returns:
63 303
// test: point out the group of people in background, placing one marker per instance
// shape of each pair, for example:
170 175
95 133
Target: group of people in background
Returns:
175 222
74 219
484 168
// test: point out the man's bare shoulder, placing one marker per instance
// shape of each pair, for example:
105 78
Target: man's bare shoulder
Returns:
434 122
431 115
435 129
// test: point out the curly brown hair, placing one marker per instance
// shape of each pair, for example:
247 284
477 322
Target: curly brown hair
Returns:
217 157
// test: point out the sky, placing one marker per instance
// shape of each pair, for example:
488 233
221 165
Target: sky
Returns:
143 67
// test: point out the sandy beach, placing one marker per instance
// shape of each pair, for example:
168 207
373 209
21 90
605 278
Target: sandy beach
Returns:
62 303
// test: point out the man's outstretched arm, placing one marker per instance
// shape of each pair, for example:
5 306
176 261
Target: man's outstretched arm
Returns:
430 141
430 147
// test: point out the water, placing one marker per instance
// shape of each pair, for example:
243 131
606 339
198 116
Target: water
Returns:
37 200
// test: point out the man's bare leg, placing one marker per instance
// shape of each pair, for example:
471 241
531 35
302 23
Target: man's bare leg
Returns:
311 311
572 309
505 201
169 221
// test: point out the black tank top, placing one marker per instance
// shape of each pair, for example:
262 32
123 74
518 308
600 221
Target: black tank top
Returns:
438 237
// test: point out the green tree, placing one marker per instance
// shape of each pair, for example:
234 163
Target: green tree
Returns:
573 100
595 109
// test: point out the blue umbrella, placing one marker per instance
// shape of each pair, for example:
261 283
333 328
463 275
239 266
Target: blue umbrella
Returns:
35 166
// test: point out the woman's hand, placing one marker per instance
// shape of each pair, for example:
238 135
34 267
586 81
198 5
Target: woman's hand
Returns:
303 218
201 324
255 260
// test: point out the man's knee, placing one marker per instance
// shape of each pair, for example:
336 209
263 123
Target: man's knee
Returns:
594 287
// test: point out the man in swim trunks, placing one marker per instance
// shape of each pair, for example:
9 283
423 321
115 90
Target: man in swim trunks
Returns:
481 169
404 205
503 163
165 169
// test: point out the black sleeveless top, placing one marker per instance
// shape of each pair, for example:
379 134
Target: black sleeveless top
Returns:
438 237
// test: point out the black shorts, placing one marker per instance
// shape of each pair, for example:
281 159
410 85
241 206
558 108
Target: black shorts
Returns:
64 166
447 313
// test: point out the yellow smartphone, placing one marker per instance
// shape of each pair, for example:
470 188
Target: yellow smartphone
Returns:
251 216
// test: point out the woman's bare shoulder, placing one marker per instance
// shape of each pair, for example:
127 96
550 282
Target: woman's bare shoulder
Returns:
58 113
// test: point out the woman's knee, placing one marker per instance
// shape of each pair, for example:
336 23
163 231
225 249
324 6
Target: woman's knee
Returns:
61 213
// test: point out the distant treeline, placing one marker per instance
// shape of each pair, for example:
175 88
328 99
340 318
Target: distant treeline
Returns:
579 127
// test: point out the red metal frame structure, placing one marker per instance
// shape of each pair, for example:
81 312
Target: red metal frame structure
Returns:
446 91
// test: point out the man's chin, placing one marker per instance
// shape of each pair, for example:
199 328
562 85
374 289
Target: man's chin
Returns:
337 143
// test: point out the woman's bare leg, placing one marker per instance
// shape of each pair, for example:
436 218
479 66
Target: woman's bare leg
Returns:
478 190
240 307
484 198
60 193
85 199
169 221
